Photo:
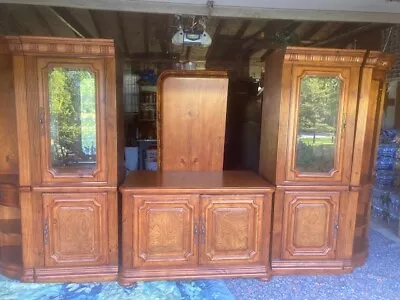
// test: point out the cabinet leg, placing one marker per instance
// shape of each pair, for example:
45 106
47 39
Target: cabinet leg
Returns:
126 284
265 278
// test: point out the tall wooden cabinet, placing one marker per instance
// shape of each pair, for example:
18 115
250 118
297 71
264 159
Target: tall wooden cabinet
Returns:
321 118
62 147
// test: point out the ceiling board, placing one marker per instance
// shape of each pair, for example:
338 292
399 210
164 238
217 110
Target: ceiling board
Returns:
313 10
58 27
25 16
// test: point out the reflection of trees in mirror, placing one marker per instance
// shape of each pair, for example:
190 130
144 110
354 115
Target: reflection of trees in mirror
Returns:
72 116
318 112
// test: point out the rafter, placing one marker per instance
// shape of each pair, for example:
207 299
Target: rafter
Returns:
121 28
64 15
348 35
245 25
43 22
309 34
266 54
215 37
270 40
17 26
146 33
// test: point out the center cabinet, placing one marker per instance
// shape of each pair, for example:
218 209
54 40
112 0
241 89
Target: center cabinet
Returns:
212 230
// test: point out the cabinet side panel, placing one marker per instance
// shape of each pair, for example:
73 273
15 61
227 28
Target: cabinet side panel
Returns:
270 117
113 140
364 127
8 122
32 91
22 124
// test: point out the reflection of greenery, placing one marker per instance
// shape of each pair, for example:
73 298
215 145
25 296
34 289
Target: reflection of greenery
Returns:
319 103
314 157
318 110
72 114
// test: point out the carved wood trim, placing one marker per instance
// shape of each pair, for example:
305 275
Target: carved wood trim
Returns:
27 45
318 55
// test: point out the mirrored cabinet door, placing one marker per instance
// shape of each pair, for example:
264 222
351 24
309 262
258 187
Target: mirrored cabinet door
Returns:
319 130
72 126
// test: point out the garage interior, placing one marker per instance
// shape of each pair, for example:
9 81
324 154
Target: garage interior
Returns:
240 46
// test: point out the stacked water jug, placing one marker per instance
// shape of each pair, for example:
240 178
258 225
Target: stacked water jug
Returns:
386 192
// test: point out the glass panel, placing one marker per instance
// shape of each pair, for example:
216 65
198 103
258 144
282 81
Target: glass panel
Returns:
72 102
318 113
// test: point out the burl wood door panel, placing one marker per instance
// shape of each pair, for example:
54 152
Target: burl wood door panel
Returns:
231 229
165 230
310 224
75 229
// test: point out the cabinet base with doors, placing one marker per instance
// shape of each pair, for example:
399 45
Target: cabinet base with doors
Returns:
185 225
79 240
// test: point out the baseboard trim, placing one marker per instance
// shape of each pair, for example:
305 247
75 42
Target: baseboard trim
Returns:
72 274
131 276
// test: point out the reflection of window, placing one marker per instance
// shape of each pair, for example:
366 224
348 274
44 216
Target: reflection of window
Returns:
72 103
317 124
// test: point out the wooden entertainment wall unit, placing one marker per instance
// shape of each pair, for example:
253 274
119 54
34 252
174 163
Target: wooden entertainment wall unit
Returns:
68 214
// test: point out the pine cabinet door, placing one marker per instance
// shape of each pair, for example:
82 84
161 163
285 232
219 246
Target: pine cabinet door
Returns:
75 229
321 124
231 229
310 225
165 230
72 117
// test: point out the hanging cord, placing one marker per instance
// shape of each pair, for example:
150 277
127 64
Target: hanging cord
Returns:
388 39
210 6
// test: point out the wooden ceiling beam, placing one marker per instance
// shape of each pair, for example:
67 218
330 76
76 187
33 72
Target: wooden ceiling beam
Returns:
216 35
121 28
146 33
15 24
271 36
43 22
64 15
245 25
266 54
188 52
347 35
309 34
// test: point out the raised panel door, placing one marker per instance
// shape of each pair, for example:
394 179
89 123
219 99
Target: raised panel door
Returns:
231 229
310 225
72 120
165 230
321 130
75 229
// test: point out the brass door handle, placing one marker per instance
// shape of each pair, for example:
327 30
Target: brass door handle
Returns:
195 231
202 231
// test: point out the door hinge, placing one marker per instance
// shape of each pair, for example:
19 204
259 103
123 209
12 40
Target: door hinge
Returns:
344 121
46 231
41 120
336 228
